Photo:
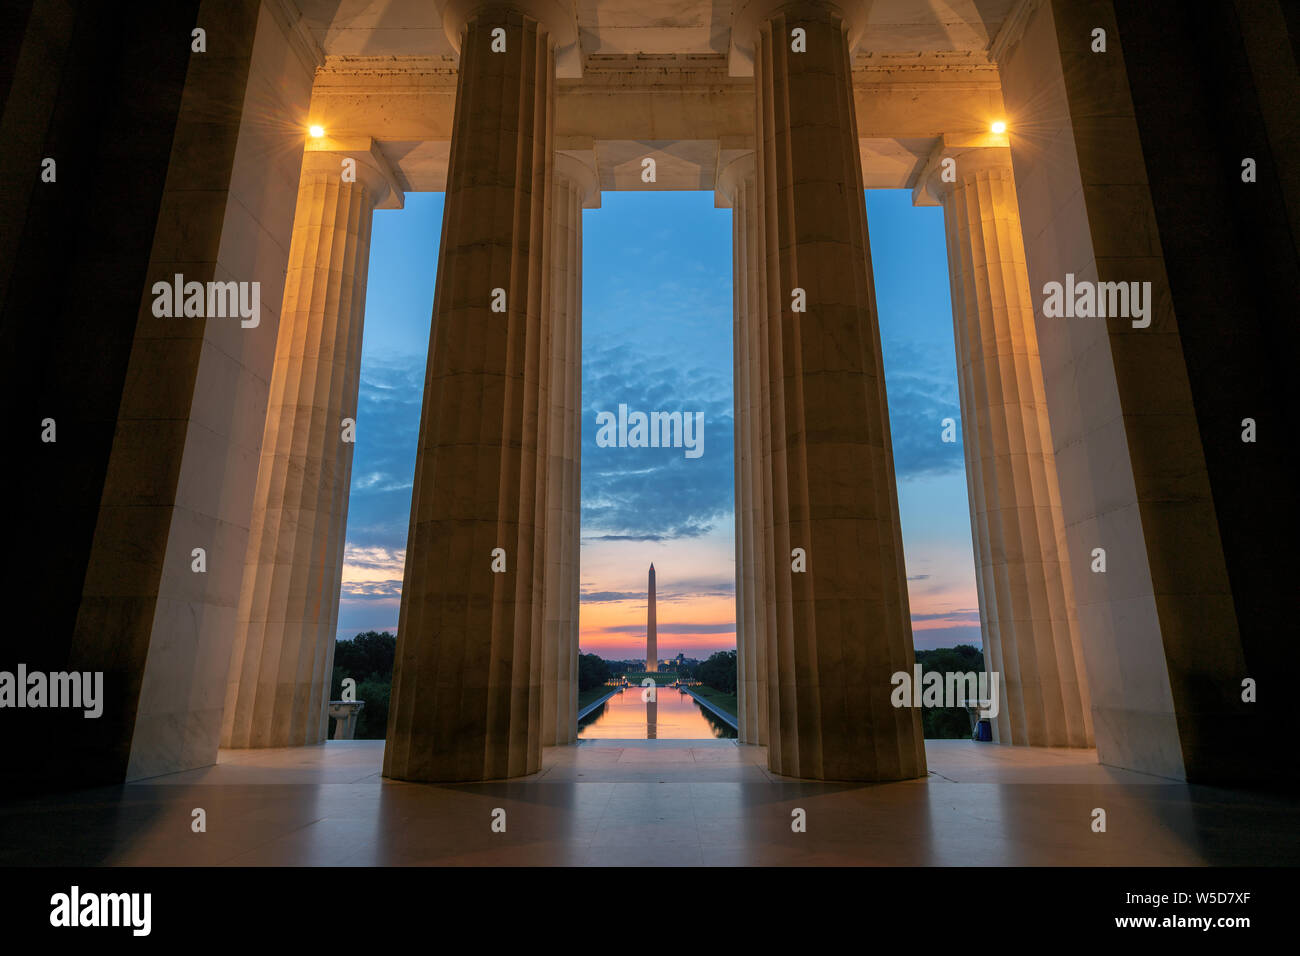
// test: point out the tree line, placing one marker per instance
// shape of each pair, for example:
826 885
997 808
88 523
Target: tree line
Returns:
368 659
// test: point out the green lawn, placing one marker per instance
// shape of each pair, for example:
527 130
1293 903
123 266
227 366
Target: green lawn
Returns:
660 677
717 698
586 697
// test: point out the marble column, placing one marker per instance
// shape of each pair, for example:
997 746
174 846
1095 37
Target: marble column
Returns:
737 190
840 628
575 187
467 684
1027 613
279 679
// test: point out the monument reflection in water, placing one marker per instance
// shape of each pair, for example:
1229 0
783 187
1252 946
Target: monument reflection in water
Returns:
674 715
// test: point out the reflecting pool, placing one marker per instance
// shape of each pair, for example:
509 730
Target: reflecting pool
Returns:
673 715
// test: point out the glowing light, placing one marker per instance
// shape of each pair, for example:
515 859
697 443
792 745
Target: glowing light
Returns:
999 127
317 131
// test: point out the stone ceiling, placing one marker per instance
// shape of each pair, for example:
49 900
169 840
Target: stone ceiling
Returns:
655 78
414 28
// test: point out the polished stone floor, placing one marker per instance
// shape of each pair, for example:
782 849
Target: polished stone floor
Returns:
654 802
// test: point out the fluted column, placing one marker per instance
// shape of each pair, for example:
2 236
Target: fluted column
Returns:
839 629
281 665
737 189
575 187
467 684
1027 611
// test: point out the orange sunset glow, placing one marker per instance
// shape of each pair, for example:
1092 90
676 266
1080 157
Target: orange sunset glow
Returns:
696 596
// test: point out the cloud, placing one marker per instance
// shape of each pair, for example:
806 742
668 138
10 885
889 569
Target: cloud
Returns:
383 466
686 592
371 594
370 572
970 616
725 628
651 494
922 393
634 494
654 494
726 589
607 597
690 530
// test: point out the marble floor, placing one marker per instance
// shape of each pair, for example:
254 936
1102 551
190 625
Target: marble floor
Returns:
660 802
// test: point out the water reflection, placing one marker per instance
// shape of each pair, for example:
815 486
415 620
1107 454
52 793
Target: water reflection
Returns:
673 715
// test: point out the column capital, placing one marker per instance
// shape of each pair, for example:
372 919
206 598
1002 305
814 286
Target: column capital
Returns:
580 168
748 15
730 178
970 155
558 17
374 171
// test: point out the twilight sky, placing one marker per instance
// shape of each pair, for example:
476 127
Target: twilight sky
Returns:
657 337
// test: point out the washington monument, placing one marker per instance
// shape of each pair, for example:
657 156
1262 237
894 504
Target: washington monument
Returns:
651 641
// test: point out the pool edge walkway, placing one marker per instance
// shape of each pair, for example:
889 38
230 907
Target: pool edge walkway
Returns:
594 704
730 720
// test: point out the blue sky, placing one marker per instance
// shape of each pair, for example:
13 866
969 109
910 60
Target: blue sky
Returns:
657 327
